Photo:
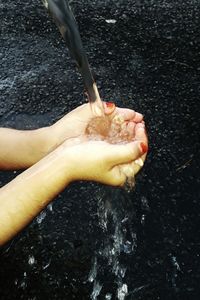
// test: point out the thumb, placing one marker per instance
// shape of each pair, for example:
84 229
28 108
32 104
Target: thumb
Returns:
126 153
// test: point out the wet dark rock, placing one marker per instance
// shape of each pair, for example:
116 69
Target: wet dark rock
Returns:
147 60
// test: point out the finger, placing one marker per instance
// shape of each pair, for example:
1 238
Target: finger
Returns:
109 107
140 133
118 176
131 128
129 114
138 117
137 165
121 154
128 170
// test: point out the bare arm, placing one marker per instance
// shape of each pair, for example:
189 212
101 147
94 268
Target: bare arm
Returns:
20 149
24 197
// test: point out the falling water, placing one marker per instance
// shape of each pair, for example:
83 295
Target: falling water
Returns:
119 238
64 18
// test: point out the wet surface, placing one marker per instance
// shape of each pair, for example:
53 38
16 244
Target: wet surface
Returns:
139 245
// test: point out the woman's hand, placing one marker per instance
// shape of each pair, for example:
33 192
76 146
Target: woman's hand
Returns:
76 159
21 149
75 123
117 126
104 162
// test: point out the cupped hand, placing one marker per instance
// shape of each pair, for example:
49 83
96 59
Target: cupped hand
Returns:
120 127
126 126
101 161
75 122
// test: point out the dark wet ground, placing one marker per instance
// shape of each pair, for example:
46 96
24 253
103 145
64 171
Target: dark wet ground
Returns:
148 60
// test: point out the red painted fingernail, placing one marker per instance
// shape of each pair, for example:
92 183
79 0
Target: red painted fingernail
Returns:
144 147
110 104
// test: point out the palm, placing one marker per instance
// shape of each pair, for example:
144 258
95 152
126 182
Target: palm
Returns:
77 121
117 126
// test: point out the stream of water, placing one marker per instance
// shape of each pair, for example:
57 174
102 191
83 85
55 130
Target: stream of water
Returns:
119 240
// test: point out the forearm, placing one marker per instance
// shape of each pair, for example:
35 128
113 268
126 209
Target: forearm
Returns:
23 198
21 149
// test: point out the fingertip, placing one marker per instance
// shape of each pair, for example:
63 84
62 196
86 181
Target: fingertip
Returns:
138 117
128 114
139 148
131 127
109 107
144 147
140 125
120 176
135 151
140 133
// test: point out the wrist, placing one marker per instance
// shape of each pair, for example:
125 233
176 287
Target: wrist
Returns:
58 133
48 139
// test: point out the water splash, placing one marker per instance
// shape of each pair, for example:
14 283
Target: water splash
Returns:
119 270
130 183
145 204
96 290
31 260
175 269
108 296
122 291
119 239
93 271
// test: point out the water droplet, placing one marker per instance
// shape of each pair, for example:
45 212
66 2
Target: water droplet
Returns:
108 296
144 203
47 265
50 207
143 219
175 263
96 290
111 21
127 247
31 260
41 217
93 271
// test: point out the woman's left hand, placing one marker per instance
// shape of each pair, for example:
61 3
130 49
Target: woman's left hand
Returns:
75 122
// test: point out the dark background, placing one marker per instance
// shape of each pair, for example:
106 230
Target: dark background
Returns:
149 60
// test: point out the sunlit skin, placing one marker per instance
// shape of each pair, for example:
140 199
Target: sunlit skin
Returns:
21 149
71 157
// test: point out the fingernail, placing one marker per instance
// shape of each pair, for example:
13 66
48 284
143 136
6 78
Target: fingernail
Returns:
144 147
110 104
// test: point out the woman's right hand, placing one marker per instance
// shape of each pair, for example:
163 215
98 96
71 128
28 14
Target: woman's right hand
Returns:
101 161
